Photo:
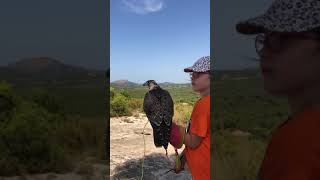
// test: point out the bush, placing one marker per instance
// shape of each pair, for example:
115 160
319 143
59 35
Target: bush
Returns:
27 142
125 93
27 136
81 135
8 102
112 93
48 101
136 105
36 136
119 105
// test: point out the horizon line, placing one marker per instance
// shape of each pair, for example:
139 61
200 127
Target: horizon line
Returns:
160 82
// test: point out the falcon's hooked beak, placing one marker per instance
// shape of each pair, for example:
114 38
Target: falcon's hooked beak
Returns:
145 84
150 83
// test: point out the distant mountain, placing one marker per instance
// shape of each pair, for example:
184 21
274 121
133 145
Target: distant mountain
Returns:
129 84
123 84
46 69
166 84
38 64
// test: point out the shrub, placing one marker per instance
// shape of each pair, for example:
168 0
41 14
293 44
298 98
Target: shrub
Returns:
125 93
119 104
27 142
50 102
136 104
8 102
112 93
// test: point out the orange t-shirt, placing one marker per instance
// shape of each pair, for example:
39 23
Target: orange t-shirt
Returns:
199 159
294 150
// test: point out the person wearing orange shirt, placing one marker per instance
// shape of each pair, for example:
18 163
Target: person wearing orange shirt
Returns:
197 136
288 45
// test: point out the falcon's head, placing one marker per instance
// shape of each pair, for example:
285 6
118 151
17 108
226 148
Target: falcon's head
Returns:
151 84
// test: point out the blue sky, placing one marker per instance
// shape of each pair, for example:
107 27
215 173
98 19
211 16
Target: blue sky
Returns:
157 39
72 31
231 49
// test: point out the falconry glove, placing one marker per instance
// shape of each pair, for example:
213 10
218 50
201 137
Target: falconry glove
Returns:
177 135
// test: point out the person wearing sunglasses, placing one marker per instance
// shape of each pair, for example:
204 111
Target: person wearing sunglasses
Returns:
288 45
196 137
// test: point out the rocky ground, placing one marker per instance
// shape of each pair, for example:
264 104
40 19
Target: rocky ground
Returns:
83 171
127 152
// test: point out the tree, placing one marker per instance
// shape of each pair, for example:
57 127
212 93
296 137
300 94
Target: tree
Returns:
8 101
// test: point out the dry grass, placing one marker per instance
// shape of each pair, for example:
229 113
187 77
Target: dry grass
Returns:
237 157
182 112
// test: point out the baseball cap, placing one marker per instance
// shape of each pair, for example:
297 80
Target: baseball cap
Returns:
201 65
284 16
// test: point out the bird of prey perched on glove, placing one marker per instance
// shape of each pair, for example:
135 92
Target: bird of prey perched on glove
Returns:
159 108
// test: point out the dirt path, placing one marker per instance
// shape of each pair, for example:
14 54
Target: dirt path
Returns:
127 148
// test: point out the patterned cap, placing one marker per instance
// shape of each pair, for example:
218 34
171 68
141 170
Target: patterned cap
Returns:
284 16
201 65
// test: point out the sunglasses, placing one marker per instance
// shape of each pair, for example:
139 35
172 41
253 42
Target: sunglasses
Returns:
277 42
196 75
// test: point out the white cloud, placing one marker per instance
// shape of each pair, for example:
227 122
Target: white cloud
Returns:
144 6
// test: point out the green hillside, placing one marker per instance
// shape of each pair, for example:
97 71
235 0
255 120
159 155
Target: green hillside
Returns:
244 116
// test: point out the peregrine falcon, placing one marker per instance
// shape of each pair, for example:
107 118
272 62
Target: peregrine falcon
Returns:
159 108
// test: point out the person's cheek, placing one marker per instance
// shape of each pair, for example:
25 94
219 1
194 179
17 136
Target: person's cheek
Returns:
207 82
289 72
